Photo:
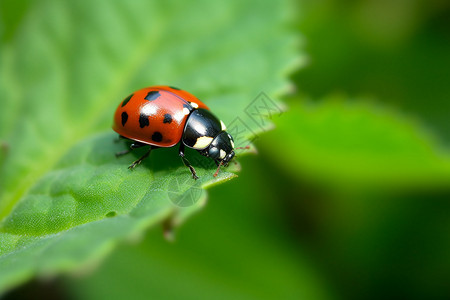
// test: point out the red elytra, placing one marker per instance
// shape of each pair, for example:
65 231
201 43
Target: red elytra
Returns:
155 115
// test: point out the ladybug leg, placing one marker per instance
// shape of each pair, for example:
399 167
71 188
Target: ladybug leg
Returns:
137 162
186 162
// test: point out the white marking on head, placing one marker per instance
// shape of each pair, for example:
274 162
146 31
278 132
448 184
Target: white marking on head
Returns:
186 111
222 154
193 104
202 142
223 125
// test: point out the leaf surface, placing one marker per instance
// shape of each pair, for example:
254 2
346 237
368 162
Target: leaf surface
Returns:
65 200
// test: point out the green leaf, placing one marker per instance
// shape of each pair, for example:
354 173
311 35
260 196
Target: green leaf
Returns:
357 144
65 200
245 252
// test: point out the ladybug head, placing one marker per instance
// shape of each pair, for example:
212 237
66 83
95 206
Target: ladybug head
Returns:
221 149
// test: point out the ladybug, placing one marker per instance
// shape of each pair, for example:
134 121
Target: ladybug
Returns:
164 116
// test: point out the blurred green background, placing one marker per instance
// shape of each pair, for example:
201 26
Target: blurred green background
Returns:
348 197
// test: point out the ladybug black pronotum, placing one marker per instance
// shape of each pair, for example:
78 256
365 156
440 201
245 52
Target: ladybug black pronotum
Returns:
163 116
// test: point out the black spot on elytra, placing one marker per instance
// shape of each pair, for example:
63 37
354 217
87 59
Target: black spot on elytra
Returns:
175 88
124 118
157 137
167 118
153 95
143 120
125 101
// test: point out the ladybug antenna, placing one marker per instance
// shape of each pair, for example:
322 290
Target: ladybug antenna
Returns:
218 168
246 147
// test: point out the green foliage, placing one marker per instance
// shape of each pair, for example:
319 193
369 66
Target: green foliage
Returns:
357 144
369 188
346 199
393 51
238 248
65 199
